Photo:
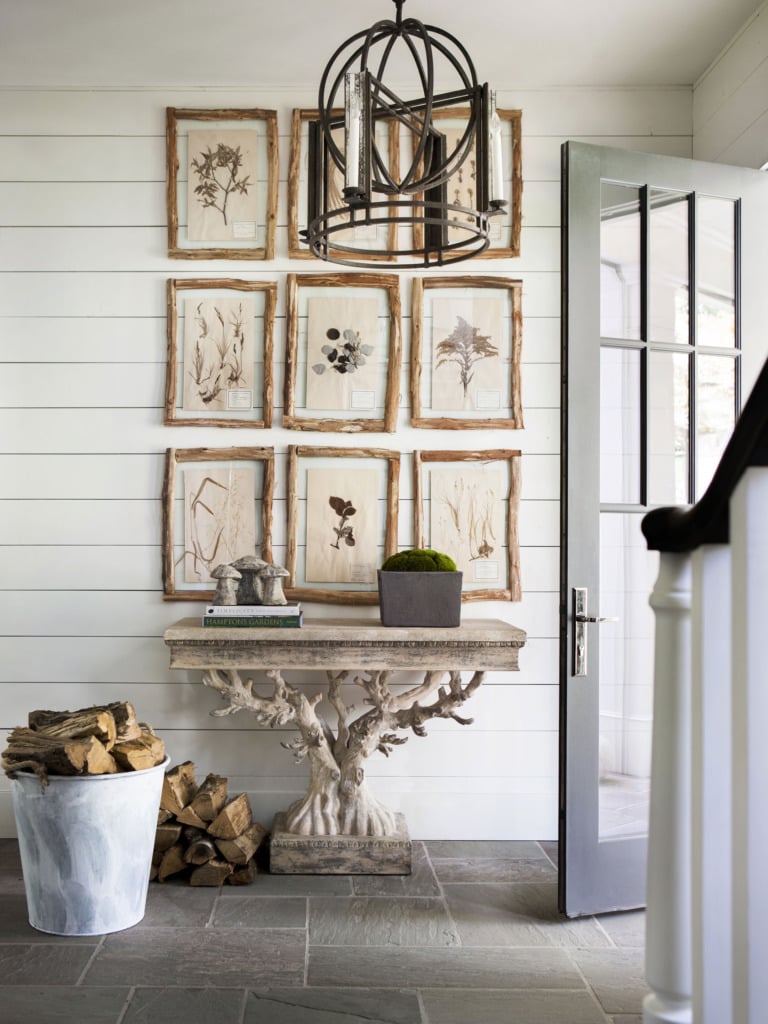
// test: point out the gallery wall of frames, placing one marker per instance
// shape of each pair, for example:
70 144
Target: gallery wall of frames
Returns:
122 435
342 370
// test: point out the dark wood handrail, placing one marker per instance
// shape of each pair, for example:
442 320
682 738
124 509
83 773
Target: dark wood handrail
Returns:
681 529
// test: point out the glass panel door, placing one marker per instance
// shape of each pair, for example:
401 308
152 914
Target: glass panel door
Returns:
653 309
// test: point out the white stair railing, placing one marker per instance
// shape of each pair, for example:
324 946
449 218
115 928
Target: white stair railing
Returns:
707 905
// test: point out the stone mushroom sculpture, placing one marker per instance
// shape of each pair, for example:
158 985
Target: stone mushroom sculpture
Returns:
250 590
271 577
226 584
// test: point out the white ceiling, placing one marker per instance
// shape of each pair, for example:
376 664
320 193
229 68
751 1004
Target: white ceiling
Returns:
232 43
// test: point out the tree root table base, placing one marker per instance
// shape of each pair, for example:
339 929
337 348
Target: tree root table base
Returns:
291 854
339 827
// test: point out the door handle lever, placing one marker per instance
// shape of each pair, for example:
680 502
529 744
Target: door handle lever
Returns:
580 635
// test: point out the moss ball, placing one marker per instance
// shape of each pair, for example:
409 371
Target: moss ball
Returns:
419 560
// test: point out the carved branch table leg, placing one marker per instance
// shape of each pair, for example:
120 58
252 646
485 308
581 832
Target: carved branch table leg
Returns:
338 826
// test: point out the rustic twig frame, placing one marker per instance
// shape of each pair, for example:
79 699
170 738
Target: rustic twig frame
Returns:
176 547
384 237
243 175
317 397
465 369
506 228
220 365
475 583
308 526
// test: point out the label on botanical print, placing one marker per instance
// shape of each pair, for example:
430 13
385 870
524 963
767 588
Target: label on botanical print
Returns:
365 232
485 570
244 229
239 398
361 572
362 400
495 232
487 399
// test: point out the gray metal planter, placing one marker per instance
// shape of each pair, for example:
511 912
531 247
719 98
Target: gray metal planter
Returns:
420 598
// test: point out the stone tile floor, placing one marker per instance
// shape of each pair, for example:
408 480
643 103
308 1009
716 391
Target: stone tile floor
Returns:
471 937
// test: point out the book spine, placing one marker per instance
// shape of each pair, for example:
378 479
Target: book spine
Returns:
253 621
260 610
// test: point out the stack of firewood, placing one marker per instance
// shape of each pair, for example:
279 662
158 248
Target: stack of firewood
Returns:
203 835
92 741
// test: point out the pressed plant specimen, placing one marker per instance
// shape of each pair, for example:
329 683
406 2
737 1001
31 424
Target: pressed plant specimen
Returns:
218 177
465 346
346 354
218 521
344 510
217 358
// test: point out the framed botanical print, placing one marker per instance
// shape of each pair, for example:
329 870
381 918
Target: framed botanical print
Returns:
506 227
220 352
221 183
465 353
372 236
343 353
342 521
467 505
217 507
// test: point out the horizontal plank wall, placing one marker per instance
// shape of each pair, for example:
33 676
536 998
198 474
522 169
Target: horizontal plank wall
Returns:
730 100
82 345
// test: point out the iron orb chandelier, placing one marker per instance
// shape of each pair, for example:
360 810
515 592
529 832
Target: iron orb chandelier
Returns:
353 189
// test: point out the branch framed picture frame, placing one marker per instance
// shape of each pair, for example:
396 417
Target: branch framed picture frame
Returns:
220 365
467 505
342 521
383 236
343 352
466 344
221 183
506 228
217 507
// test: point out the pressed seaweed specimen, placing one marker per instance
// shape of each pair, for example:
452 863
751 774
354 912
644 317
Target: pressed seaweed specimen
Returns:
465 346
217 171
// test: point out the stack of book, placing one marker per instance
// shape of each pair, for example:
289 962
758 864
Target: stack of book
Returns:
254 616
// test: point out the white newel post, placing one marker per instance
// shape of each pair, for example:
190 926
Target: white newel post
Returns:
668 915
711 785
749 543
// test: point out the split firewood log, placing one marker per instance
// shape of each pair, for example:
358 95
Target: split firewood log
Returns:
179 787
74 724
210 798
145 751
233 819
213 873
200 847
29 749
172 862
242 848
166 836
188 817
243 874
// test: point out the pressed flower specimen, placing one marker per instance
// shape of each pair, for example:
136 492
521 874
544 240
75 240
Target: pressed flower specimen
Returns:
344 510
347 352
465 346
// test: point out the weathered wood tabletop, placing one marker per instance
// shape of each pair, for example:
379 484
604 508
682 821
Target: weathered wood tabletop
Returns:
336 643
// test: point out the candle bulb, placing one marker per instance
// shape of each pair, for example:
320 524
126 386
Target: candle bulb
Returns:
496 156
353 118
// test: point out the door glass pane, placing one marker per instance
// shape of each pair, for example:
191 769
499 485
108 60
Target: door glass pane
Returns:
668 442
668 279
715 414
716 272
619 425
619 261
627 574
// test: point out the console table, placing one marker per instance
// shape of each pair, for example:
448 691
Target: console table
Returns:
338 826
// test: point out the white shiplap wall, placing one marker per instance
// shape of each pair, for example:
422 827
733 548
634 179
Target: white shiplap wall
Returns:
82 345
730 100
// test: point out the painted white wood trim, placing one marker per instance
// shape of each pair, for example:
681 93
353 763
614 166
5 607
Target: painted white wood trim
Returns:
668 915
711 752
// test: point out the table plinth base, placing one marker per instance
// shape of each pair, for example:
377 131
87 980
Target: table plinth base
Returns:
290 854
